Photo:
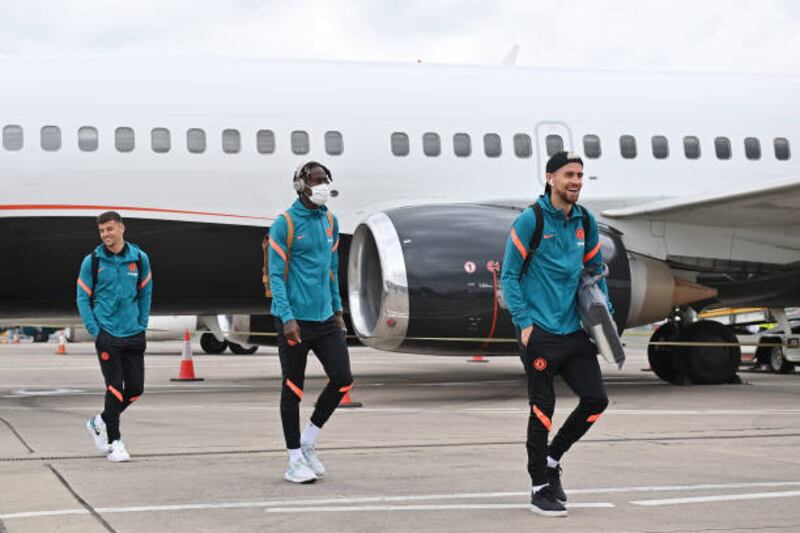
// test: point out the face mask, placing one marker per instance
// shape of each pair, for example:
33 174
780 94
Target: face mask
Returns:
319 194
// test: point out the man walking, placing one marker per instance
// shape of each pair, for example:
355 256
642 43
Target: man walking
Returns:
540 285
303 277
114 293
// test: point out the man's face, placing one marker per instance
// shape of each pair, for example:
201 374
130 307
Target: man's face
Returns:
316 176
566 182
111 233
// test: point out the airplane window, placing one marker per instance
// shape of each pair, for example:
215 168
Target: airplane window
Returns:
522 145
722 145
431 144
231 141
782 152
265 141
124 139
160 141
462 145
334 144
752 148
12 137
591 146
492 146
87 138
51 138
660 146
196 140
627 146
399 141
554 144
300 143
691 147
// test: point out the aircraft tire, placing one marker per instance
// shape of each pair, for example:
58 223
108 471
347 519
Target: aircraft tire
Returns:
210 344
666 361
778 363
710 365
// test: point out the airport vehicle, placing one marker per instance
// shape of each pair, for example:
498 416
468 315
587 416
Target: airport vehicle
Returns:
691 176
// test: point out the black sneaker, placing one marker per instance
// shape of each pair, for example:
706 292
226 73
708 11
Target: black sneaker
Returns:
544 502
554 480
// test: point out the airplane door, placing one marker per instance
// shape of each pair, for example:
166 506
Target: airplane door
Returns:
551 137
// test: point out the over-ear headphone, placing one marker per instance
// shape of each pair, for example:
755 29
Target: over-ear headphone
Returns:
300 175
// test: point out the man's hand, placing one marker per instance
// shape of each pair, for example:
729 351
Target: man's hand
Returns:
525 335
338 318
291 330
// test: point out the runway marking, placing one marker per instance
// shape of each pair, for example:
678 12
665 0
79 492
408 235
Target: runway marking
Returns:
722 498
460 507
339 503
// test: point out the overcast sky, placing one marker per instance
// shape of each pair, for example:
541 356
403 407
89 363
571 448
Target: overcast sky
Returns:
729 35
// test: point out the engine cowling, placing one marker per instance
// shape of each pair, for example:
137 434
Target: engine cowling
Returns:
426 279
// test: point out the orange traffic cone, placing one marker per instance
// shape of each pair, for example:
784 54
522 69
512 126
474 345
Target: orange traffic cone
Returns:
62 344
478 359
347 401
186 372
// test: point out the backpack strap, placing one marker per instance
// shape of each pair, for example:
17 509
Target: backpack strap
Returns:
536 239
265 250
289 240
95 269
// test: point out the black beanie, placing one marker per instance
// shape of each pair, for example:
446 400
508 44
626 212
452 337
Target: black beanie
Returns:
558 160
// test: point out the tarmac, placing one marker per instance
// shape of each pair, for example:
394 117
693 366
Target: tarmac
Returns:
437 446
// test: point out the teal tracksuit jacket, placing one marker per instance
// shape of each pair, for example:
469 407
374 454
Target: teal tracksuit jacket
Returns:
122 294
311 291
546 296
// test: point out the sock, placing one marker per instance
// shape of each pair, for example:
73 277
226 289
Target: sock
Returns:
537 488
551 463
295 455
309 435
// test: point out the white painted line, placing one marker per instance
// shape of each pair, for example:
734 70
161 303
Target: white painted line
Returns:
677 488
341 502
37 514
449 507
723 498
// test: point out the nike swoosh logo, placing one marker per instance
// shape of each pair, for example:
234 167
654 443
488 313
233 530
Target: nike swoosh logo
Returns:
548 236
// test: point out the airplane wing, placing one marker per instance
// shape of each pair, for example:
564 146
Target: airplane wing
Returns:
775 203
760 224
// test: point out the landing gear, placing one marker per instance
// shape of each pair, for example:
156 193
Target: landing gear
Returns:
700 365
210 344
666 361
238 349
778 363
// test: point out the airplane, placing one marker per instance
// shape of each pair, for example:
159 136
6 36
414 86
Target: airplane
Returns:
691 176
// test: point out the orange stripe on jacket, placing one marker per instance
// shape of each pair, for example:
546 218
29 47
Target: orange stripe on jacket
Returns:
295 389
593 418
335 246
522 250
84 286
144 283
543 418
277 248
593 253
117 394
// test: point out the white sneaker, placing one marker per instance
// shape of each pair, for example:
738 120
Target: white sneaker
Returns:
97 429
310 455
299 472
117 452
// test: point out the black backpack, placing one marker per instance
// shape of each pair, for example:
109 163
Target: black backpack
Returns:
537 233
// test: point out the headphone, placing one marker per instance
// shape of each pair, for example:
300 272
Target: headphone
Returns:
302 172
